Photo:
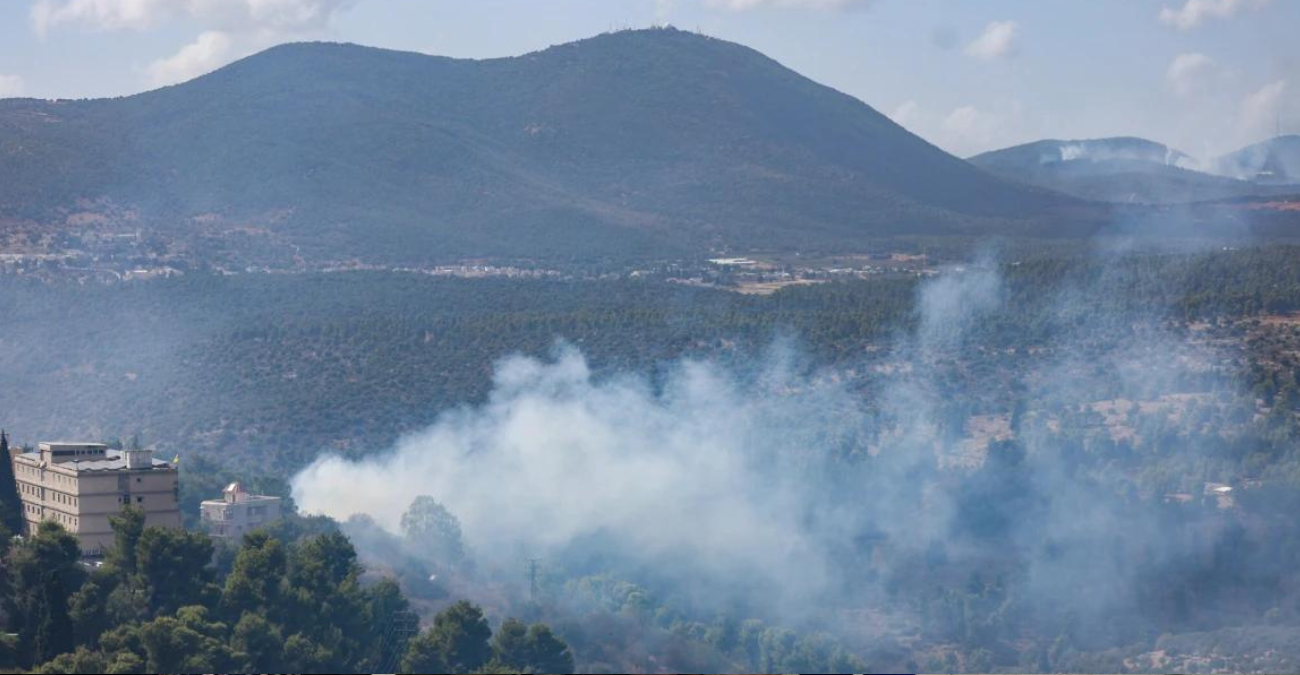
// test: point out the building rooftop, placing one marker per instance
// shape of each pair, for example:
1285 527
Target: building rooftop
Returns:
116 461
246 499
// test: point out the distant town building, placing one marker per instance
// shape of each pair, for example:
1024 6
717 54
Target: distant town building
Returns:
238 512
80 485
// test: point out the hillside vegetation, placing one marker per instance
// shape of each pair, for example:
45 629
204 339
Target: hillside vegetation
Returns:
632 144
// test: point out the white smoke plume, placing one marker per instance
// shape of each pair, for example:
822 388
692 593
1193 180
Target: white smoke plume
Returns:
705 467
723 476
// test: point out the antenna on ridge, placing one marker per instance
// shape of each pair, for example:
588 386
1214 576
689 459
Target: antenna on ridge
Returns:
532 579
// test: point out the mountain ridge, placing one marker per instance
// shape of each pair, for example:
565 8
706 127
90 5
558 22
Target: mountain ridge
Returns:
653 142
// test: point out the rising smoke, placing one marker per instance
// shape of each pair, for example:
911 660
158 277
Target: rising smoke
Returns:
794 480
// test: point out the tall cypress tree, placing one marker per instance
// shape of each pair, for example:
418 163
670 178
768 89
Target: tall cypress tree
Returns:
11 507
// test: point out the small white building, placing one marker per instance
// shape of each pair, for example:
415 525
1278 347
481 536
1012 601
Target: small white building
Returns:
238 512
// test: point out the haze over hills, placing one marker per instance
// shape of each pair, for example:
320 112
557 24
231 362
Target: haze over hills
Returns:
1274 161
1123 170
642 142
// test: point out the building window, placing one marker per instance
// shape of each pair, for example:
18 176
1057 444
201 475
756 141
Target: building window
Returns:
139 500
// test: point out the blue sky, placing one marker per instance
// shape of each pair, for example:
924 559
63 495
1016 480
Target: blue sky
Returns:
1206 76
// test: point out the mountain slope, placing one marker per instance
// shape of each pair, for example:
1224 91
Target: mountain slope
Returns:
635 143
1123 170
1275 161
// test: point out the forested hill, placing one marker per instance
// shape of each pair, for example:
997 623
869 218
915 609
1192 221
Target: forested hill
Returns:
633 143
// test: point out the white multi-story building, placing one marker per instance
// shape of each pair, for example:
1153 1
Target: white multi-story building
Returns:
80 485
238 512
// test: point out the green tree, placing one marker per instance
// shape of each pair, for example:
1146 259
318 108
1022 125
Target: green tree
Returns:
458 642
257 645
510 645
424 655
302 655
11 506
41 575
186 643
390 622
547 653
174 569
324 601
255 579
123 663
530 649
88 607
128 528
81 661
433 532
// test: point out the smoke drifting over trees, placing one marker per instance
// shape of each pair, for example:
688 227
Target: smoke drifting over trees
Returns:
798 492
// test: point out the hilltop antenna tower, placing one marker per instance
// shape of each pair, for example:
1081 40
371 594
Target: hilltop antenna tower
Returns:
532 579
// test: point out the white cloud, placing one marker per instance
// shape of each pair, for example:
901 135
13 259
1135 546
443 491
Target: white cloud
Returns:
906 113
11 86
969 126
1188 72
997 41
1194 12
1259 111
207 53
278 16
742 5
230 28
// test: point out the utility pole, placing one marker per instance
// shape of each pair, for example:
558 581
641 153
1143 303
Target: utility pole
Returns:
532 579
402 626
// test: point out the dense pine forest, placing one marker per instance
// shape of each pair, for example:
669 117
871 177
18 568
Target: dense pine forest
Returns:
1033 484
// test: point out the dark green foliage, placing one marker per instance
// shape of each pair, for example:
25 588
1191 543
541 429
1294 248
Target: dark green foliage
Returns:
424 655
173 565
128 527
41 575
518 647
546 653
254 584
88 607
81 661
11 506
189 643
510 645
458 642
295 608
255 643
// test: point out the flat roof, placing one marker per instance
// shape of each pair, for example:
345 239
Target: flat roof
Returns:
115 462
247 500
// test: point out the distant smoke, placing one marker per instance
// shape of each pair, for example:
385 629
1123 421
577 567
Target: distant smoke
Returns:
1101 152
12 85
703 471
715 470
